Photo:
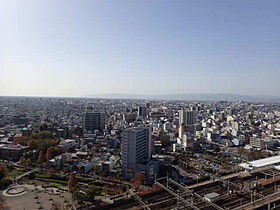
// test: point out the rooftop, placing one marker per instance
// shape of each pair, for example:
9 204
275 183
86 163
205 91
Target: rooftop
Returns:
261 163
212 195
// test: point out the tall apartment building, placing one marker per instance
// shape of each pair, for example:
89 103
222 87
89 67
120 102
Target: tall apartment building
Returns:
136 149
93 121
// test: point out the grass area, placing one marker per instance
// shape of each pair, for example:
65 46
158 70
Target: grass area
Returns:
39 174
16 172
50 181
13 172
24 180
53 182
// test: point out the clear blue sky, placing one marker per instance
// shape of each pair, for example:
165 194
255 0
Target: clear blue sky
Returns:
77 48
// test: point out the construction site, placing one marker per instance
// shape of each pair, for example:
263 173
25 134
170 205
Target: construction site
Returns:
255 189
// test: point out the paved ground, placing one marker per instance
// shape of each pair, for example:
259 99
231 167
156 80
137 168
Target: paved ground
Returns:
46 199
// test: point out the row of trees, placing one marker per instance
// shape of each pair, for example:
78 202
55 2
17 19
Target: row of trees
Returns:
77 194
41 144
51 152
42 157
42 135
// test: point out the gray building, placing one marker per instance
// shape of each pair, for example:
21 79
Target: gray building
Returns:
187 117
12 152
257 143
187 121
142 111
136 149
93 121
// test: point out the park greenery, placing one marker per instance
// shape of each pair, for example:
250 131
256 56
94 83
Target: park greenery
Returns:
37 141
42 142
87 195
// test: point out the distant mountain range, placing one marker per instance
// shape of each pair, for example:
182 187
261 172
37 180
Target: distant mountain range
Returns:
193 97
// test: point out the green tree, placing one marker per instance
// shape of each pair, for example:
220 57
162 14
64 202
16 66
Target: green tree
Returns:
45 135
77 195
22 160
91 192
44 144
53 150
34 135
33 144
78 131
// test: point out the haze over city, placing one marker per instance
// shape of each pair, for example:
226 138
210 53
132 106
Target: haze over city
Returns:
73 48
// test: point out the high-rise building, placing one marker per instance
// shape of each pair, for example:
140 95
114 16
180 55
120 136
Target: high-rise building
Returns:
136 149
187 117
93 121
142 111
148 105
187 121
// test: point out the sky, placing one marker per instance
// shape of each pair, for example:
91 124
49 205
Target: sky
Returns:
87 47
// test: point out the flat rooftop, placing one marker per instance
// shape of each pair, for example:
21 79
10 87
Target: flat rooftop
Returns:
261 163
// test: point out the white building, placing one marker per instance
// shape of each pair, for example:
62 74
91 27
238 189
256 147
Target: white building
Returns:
275 160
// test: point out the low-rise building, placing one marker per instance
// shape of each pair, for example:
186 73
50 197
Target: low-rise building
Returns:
12 152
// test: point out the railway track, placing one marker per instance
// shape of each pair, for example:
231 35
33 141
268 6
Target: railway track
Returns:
163 200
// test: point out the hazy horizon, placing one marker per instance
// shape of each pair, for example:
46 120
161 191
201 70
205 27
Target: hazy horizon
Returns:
78 48
178 96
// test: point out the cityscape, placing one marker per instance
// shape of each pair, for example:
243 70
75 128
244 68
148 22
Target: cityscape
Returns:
139 105
85 153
